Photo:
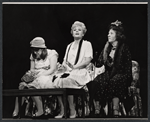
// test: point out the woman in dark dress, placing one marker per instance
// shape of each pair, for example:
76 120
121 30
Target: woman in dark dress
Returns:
112 85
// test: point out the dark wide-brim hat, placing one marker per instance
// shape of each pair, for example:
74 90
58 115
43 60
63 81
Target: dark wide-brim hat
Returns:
38 42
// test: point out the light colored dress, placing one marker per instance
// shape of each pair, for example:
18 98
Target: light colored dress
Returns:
43 81
78 77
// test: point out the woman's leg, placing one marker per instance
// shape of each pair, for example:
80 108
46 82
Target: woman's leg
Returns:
99 92
61 114
61 105
72 106
92 87
97 107
39 105
116 106
16 109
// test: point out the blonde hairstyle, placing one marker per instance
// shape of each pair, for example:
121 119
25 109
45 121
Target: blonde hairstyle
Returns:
78 23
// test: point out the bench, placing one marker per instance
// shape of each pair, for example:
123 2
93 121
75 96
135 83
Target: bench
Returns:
46 92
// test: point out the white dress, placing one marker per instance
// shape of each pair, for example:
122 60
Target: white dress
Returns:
43 82
78 77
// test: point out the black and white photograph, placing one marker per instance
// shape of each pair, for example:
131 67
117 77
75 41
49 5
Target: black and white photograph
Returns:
74 60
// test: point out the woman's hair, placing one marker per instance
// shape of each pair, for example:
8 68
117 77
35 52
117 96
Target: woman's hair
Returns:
120 37
118 28
43 54
81 24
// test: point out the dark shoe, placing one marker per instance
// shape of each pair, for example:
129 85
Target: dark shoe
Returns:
28 115
102 113
116 116
15 117
39 117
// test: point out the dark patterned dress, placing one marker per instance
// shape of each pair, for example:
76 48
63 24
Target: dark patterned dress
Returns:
117 77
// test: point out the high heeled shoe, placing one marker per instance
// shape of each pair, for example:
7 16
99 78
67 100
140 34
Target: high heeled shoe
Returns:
15 115
73 116
59 116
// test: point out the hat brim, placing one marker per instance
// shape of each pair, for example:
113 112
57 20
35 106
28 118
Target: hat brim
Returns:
40 46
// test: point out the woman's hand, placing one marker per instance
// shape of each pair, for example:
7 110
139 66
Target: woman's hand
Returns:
62 69
100 70
22 85
33 71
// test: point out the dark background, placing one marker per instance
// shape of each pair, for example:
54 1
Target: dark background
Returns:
22 22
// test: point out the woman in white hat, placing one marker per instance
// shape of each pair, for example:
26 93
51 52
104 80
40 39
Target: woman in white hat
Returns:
43 65
78 56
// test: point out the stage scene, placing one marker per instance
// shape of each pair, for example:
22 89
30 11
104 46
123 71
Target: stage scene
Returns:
68 61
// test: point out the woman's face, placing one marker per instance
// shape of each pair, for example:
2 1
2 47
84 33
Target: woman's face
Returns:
77 32
111 36
38 52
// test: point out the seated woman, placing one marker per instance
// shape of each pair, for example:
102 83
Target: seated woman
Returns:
78 56
43 66
112 84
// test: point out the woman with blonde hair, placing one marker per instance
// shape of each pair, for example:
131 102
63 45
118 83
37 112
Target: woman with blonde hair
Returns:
78 56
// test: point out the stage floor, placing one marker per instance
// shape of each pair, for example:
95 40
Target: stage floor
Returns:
80 119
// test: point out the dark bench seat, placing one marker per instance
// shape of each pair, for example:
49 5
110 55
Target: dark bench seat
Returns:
46 92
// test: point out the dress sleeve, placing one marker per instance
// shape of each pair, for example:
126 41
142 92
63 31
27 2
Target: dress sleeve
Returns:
127 61
126 65
88 50
100 61
66 52
52 53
